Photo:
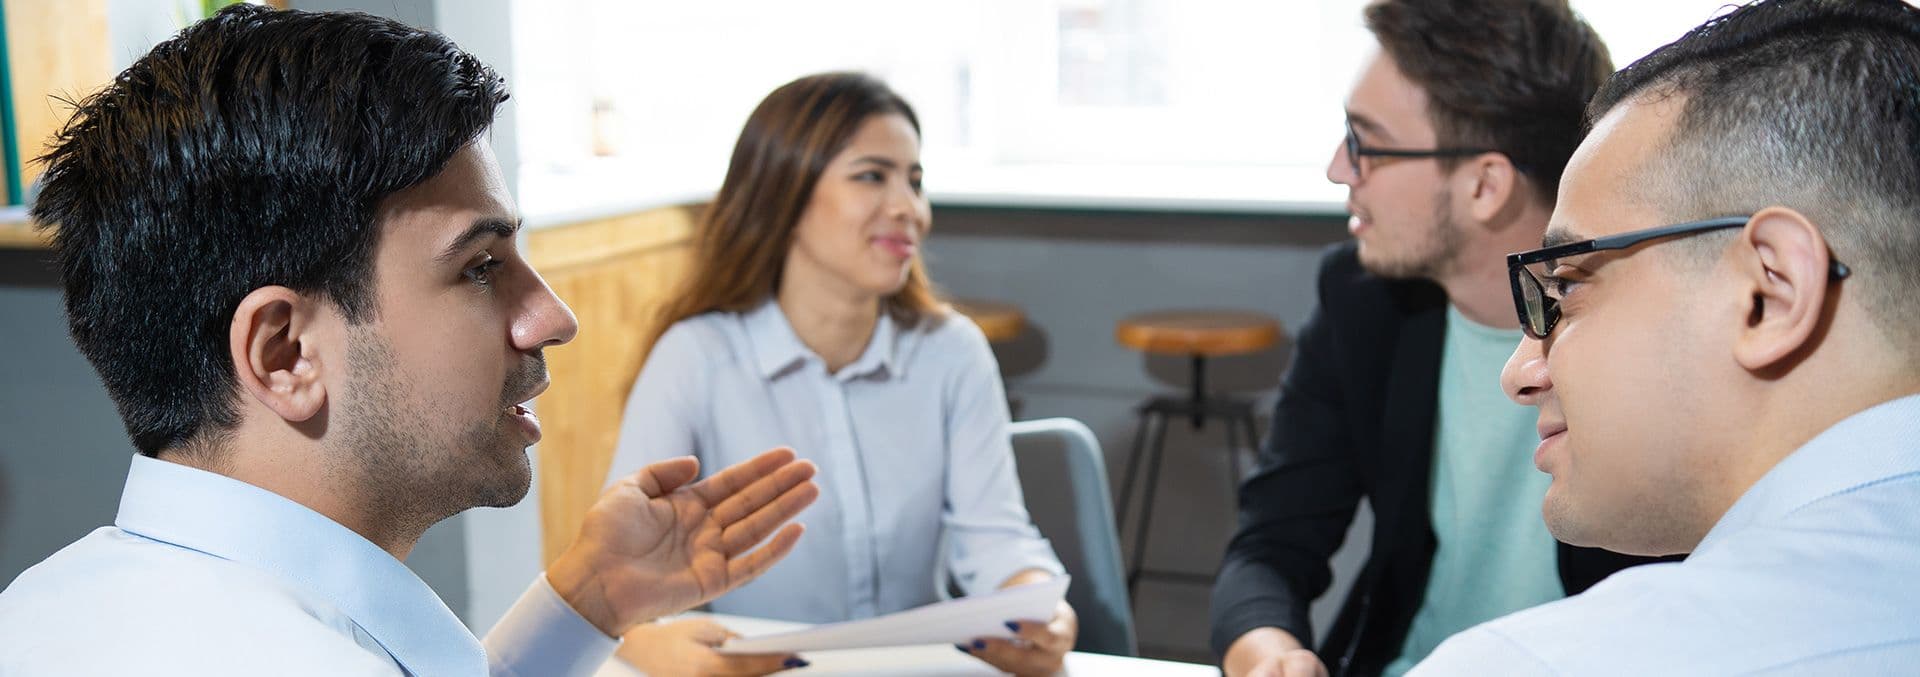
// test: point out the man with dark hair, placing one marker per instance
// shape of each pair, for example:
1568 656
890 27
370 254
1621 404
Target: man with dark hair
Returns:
1721 347
289 253
1457 131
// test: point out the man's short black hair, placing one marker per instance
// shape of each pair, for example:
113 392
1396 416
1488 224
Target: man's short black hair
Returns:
250 150
1512 75
1807 104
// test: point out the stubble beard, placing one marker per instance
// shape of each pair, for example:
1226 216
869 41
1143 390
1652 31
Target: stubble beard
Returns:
408 467
1433 257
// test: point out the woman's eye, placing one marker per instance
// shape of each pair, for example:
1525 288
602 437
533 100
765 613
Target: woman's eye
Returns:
873 176
917 187
482 273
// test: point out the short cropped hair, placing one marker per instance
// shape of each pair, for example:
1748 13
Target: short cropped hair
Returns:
1807 104
1511 75
249 150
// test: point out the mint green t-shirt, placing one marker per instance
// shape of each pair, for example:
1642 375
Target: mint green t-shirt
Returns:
1495 556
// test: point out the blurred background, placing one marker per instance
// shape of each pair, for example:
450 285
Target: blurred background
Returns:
1086 159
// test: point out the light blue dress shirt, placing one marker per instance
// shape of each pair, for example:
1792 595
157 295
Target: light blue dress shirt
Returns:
916 469
202 574
1815 570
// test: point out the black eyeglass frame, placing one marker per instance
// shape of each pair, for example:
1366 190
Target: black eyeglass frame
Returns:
1356 150
1518 275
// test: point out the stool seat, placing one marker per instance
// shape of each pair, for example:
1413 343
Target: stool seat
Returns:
1000 322
1206 333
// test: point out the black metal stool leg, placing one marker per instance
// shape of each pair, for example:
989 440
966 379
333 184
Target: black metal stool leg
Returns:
1133 466
1154 455
1198 396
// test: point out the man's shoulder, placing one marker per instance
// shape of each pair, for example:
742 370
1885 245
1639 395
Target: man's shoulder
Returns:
115 602
1577 634
1349 292
1690 618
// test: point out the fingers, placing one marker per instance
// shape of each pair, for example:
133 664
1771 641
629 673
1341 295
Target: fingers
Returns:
742 535
746 567
750 498
730 665
658 479
707 632
731 480
1042 634
1022 658
1302 663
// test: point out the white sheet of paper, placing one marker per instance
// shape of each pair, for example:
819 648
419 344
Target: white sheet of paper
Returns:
950 622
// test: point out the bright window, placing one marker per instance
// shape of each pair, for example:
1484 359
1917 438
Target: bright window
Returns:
1196 104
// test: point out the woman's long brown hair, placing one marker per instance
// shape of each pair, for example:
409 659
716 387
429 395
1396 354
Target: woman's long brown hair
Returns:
742 239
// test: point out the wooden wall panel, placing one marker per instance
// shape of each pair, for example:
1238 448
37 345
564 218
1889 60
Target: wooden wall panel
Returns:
53 49
615 273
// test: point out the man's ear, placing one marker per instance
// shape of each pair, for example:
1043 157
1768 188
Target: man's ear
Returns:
1493 185
1783 262
273 355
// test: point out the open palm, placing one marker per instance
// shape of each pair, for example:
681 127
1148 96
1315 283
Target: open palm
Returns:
655 545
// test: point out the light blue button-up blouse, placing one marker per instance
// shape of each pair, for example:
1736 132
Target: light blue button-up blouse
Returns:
916 471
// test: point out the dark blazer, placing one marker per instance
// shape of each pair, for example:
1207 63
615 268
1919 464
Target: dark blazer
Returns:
1355 420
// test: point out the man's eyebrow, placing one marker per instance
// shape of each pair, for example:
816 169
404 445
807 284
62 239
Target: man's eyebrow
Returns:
1557 236
482 227
1366 124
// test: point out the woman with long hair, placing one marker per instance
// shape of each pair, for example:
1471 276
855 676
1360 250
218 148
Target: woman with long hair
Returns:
808 321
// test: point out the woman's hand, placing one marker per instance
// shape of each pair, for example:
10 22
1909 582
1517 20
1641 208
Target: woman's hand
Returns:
1039 647
686 649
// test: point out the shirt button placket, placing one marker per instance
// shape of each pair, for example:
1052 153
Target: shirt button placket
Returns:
857 521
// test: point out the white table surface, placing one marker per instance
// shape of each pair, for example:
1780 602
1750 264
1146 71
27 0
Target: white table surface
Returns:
937 660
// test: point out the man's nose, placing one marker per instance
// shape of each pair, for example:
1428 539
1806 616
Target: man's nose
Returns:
1525 378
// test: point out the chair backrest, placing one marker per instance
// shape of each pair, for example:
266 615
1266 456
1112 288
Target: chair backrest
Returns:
1064 478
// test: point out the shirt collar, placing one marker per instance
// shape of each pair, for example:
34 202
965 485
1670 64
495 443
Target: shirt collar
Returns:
1861 449
245 524
778 350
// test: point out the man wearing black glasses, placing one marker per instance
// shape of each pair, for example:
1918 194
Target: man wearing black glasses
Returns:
1456 135
1727 386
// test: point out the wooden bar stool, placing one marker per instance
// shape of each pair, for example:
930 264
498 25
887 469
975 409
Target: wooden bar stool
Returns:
1001 322
1197 334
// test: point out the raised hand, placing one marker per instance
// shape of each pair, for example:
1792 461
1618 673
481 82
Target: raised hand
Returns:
655 545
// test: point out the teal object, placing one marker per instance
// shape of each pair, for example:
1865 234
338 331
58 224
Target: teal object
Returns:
1495 556
15 192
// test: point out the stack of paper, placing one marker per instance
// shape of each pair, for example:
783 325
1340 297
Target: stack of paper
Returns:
949 622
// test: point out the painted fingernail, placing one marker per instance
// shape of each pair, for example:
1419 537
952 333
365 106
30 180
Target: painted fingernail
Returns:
963 648
794 662
1013 625
979 644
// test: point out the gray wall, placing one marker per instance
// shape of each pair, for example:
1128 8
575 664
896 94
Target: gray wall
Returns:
63 452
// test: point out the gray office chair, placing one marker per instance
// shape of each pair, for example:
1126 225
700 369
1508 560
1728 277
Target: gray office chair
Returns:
1064 478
